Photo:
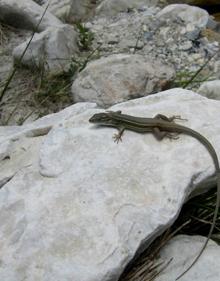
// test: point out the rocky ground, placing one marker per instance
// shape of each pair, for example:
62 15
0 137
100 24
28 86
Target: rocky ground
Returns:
34 93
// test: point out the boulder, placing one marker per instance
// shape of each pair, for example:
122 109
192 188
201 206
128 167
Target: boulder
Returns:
120 77
50 50
26 14
74 205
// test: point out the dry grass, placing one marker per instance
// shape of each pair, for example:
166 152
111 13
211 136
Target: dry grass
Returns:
3 34
32 95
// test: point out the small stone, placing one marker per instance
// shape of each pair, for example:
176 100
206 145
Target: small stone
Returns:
113 40
185 46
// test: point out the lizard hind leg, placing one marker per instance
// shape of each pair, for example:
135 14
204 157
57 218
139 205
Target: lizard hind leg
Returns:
159 135
169 119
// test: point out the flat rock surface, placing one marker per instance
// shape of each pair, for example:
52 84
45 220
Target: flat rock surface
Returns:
74 205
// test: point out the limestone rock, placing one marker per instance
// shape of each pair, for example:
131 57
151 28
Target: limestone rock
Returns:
51 49
210 89
26 14
194 16
113 7
71 10
120 77
74 205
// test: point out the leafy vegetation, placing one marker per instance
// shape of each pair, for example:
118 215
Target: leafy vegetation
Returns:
85 37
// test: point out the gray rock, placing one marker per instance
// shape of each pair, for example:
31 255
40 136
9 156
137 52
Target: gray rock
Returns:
182 250
26 14
120 77
113 7
74 205
188 14
51 49
210 89
71 10
214 25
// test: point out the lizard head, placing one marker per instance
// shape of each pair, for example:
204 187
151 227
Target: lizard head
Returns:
100 118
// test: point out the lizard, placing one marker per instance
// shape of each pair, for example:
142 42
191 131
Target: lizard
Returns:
161 126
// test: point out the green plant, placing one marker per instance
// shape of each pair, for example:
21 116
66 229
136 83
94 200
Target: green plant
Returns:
188 79
52 90
85 37
184 79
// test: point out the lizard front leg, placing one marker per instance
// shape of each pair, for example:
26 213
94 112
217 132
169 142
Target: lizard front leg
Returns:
118 137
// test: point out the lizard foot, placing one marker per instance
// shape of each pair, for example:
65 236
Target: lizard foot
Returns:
117 138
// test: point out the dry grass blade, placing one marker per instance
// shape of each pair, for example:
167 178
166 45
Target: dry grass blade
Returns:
200 209
198 71
3 37
147 266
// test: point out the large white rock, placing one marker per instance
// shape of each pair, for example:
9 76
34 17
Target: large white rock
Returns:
190 15
182 249
74 205
51 49
26 14
210 89
113 7
120 77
